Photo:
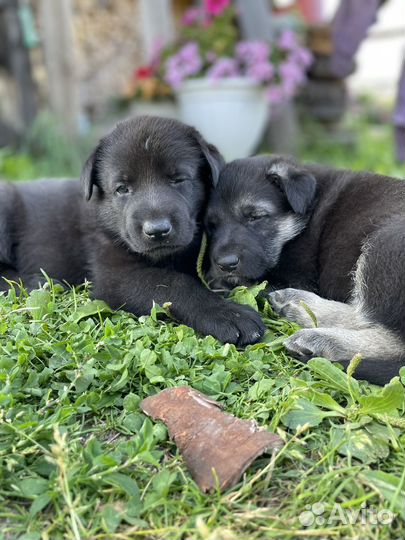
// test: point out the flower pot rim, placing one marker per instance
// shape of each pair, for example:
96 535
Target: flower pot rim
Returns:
207 83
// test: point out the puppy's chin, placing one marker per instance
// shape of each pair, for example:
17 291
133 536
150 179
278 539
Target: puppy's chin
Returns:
155 253
159 250
162 252
226 283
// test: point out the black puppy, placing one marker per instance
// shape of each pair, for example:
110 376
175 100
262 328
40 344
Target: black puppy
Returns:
334 233
137 237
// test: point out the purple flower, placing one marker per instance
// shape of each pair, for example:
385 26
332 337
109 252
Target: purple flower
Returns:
211 57
260 72
275 94
185 63
290 72
302 56
174 74
289 88
288 40
155 59
190 55
252 52
223 67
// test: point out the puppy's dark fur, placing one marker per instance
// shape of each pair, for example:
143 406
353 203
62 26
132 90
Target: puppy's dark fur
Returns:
134 232
311 230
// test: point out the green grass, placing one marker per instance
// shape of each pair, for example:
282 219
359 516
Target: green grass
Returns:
45 152
79 460
361 146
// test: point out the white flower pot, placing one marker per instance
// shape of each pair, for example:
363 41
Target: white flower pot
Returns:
230 113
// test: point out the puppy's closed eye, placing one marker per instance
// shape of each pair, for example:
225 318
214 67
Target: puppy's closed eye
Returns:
253 213
255 217
176 180
122 189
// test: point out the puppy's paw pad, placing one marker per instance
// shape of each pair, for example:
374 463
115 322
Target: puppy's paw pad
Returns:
232 323
306 344
289 303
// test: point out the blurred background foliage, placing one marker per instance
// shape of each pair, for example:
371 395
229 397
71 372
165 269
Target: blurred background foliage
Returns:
47 152
85 62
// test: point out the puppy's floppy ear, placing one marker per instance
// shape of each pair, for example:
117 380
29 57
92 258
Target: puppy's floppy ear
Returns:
215 161
299 188
212 155
88 177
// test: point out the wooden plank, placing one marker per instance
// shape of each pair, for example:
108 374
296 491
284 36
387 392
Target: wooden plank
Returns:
18 62
156 24
58 41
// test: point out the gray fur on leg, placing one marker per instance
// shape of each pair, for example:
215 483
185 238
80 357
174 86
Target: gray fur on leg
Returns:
383 352
328 313
339 344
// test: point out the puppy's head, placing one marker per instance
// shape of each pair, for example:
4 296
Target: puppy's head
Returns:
259 205
150 178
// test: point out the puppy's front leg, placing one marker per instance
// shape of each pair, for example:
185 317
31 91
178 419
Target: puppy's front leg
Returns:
136 287
381 349
290 303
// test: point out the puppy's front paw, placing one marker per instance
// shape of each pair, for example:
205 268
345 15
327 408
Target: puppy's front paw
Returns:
309 343
301 346
288 304
233 323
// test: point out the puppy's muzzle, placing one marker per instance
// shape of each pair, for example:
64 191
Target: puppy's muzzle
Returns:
157 229
228 263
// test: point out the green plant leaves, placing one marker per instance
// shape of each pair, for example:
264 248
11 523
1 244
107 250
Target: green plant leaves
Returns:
360 437
248 295
70 364
388 486
390 399
30 487
304 413
361 444
94 307
39 303
332 376
124 483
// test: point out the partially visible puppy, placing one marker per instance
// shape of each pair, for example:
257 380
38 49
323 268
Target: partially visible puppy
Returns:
311 230
138 234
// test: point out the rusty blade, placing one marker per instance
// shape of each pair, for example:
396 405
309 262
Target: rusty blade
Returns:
217 447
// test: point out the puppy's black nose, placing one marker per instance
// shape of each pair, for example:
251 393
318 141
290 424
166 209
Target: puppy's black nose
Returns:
157 229
228 262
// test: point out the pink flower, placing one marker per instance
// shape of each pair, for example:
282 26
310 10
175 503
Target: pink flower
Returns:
216 7
223 67
191 16
144 72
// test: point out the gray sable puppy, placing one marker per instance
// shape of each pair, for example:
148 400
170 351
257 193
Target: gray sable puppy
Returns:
333 239
135 232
